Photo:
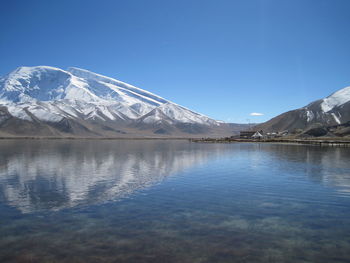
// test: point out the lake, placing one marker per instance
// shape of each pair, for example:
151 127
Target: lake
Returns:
173 201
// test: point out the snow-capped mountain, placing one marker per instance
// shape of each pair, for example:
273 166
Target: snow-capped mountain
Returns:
79 101
331 111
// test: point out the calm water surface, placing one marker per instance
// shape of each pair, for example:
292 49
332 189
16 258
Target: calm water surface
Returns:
173 201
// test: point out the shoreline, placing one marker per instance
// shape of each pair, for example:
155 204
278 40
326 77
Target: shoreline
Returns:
318 142
93 138
335 142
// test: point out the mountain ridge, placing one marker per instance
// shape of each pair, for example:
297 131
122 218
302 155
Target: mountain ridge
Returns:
331 111
57 99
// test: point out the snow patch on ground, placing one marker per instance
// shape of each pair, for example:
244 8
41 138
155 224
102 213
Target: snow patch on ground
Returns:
336 118
45 115
18 112
309 116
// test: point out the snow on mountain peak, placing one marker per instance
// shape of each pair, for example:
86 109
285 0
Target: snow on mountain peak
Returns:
182 114
336 99
43 83
22 77
51 94
127 88
173 113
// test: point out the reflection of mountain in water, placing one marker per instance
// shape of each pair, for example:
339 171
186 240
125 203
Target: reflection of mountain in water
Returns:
325 165
51 175
41 175
332 167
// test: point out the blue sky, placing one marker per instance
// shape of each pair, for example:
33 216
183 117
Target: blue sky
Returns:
225 59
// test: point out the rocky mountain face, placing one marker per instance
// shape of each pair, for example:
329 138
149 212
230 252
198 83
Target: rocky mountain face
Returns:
330 114
48 101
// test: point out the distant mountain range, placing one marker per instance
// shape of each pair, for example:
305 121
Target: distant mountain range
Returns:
329 116
45 101
48 101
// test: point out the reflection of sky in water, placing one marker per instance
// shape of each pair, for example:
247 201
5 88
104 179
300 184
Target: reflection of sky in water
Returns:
219 202
39 175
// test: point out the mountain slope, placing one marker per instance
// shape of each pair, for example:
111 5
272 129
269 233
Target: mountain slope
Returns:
331 111
83 103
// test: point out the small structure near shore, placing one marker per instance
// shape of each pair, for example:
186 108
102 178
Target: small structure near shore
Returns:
251 135
246 134
257 135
